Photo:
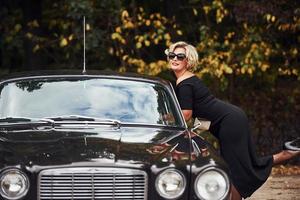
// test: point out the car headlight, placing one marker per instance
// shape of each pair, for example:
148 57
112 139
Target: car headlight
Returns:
14 184
212 183
170 184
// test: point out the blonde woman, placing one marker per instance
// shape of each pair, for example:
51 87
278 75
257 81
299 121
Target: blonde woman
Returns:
228 123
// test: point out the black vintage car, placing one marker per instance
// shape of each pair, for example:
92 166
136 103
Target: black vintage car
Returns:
101 136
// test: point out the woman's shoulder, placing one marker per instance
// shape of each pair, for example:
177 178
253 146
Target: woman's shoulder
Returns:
194 83
192 80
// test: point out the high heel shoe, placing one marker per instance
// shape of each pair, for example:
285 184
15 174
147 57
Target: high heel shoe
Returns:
293 146
291 149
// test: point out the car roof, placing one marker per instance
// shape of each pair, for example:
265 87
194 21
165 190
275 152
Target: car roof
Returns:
77 73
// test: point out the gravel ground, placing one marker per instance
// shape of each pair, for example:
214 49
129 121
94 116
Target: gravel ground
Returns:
279 187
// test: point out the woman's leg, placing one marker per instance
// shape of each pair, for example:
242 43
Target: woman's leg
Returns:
278 158
283 156
234 194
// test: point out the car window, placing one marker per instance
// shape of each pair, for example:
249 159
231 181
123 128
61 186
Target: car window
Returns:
124 100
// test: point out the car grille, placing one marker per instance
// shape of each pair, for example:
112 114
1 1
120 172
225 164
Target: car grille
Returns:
92 183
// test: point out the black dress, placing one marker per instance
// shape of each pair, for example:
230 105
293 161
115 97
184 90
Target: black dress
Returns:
230 125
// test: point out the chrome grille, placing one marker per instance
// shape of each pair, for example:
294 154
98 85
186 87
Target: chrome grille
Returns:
92 183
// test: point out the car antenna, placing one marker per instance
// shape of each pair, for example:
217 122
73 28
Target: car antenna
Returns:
84 70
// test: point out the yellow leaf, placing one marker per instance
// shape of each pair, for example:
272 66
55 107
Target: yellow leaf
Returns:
167 36
140 39
125 14
124 57
246 60
157 23
264 67
123 41
152 65
18 27
179 32
168 43
139 70
140 17
195 12
295 51
227 69
129 25
87 27
243 70
162 63
111 51
122 69
273 18
226 11
35 23
36 47
158 15
63 42
295 71
148 22
147 43
118 29
29 35
206 9
70 37
114 36
250 71
138 45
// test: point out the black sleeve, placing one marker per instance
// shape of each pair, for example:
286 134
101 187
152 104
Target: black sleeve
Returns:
185 96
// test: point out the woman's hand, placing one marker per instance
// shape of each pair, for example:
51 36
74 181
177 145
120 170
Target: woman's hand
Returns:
187 114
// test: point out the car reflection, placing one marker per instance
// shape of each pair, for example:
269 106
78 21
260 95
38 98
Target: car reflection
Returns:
178 148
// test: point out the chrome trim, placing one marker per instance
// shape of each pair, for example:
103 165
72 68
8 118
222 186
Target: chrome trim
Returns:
178 105
92 183
101 76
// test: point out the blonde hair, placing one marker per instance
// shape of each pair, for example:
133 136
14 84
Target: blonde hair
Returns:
190 50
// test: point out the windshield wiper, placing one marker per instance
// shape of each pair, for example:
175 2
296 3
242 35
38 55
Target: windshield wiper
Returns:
58 121
24 120
73 119
15 119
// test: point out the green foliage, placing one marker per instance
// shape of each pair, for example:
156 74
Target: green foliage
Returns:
254 38
56 35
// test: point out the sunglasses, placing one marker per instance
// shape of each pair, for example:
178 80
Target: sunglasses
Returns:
180 56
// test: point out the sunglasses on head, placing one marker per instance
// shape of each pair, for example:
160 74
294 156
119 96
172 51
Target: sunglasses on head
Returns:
180 56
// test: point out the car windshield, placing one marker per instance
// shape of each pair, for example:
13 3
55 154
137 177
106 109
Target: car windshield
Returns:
127 101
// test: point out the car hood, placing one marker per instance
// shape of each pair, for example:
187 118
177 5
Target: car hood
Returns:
108 146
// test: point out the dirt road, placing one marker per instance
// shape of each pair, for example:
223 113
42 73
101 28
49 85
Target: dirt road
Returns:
279 187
